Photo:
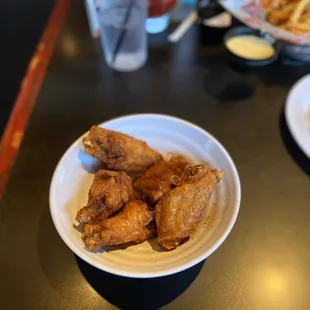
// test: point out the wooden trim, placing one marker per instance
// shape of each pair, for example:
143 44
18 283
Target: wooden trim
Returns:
29 90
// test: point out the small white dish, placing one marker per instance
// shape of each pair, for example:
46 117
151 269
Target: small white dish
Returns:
297 113
72 179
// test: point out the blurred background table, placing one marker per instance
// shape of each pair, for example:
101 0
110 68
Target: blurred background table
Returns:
22 24
264 263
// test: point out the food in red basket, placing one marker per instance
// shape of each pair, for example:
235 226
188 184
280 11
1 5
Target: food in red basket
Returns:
291 15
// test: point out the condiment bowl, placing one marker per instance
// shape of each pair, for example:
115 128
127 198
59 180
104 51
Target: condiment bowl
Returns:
242 30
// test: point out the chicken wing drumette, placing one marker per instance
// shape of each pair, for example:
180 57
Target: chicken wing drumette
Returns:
160 178
179 211
130 225
118 151
109 192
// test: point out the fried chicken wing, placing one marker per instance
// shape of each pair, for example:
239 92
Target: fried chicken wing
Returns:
160 178
118 151
109 192
179 211
129 225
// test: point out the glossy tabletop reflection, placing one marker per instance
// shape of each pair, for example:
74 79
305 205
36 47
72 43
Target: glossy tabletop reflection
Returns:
263 264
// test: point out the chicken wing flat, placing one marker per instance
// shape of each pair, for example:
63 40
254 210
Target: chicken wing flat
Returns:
109 192
179 211
129 225
118 151
160 178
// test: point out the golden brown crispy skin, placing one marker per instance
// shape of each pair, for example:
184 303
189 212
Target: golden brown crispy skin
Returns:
129 225
179 211
160 178
118 151
109 192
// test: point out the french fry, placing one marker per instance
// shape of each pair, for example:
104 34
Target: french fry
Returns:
282 15
291 15
301 7
276 3
299 22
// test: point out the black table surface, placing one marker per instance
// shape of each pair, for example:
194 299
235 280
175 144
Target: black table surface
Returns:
263 264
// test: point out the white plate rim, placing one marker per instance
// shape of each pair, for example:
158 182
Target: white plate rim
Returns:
184 266
294 126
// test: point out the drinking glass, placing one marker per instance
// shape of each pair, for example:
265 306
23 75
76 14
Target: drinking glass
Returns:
123 35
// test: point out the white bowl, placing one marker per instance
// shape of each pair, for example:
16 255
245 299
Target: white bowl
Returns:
297 113
72 179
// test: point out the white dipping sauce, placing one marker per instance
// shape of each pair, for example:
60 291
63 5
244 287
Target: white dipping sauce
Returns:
250 47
